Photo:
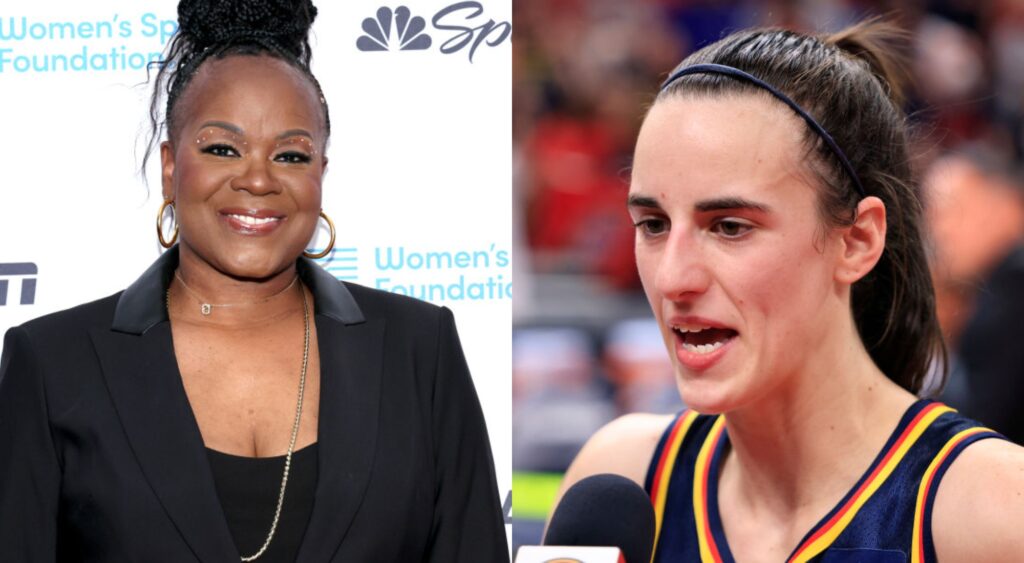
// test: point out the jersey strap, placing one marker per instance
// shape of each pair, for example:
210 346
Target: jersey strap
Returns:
705 538
923 548
668 449
822 535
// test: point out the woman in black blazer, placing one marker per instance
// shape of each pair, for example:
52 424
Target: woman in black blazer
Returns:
237 399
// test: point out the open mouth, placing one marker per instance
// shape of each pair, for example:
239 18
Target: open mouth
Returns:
703 340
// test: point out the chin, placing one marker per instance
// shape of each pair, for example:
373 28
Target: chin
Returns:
708 395
255 265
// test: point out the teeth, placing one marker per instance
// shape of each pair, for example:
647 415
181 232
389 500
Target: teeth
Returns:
684 330
250 220
702 348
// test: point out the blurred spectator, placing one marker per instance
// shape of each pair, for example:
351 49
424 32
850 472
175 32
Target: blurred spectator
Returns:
951 79
975 211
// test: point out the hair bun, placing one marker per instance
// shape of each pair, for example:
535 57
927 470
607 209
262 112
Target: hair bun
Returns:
884 47
216 22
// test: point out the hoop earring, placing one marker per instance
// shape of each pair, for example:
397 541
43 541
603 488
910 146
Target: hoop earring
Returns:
160 221
330 245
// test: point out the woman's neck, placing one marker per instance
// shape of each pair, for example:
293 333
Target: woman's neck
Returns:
813 437
232 302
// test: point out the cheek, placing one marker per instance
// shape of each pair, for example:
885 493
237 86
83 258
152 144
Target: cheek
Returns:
310 192
781 288
192 180
647 268
306 193
301 184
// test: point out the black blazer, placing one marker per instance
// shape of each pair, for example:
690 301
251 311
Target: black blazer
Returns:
101 458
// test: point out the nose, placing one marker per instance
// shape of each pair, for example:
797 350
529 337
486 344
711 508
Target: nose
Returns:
682 270
255 176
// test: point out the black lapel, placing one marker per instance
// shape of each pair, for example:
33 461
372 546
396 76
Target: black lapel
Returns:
142 376
351 360
138 362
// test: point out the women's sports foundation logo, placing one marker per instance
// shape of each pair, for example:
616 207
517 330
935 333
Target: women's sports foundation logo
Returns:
399 30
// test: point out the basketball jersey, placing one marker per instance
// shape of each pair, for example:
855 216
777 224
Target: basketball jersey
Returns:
885 517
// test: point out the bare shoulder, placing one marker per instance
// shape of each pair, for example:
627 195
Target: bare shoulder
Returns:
624 446
979 505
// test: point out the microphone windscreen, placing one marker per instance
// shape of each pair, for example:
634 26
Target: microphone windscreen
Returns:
605 510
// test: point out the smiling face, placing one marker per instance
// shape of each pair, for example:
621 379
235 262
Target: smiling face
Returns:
734 259
245 164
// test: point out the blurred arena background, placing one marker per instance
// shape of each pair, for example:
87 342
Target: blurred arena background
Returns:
585 348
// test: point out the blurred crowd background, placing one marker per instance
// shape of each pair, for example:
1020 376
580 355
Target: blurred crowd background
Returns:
585 348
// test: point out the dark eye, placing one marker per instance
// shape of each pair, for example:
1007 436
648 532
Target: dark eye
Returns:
220 149
293 157
651 226
730 228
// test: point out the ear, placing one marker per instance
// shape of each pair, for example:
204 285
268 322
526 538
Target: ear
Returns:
862 242
167 170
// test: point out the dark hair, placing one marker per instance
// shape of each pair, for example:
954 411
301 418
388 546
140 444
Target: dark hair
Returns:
851 83
214 29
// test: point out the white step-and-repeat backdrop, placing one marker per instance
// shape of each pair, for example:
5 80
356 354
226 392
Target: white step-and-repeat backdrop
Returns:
419 182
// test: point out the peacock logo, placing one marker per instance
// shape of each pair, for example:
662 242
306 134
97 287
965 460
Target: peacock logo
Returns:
409 31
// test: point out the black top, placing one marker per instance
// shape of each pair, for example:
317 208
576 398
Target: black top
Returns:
248 488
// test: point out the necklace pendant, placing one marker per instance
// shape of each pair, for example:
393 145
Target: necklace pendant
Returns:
206 309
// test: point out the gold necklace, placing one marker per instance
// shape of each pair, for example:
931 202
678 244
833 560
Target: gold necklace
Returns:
295 426
207 308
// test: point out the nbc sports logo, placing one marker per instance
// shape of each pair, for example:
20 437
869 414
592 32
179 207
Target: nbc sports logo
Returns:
459 27
409 31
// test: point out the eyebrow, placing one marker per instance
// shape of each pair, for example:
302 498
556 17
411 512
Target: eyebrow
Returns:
642 201
717 204
295 132
223 125
729 203
238 130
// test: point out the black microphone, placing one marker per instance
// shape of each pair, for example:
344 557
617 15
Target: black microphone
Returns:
605 510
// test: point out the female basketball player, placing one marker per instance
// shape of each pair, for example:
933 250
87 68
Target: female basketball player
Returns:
778 241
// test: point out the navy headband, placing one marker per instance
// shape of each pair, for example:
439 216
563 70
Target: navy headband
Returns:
737 73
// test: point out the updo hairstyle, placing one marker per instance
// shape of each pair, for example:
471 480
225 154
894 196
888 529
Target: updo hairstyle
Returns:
215 29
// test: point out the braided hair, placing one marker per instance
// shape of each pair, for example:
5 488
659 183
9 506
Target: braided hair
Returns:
215 29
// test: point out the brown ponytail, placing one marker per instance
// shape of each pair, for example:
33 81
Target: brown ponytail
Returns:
883 46
852 83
